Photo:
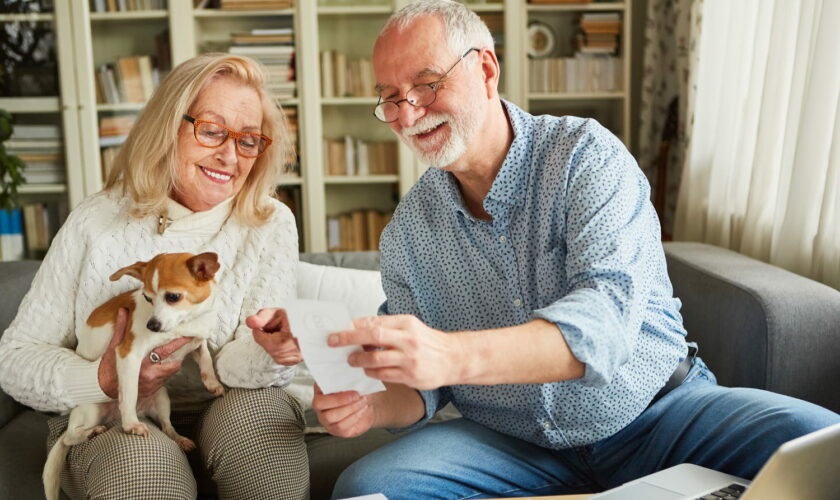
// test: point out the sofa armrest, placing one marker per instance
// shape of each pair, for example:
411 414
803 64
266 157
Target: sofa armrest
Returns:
15 279
758 325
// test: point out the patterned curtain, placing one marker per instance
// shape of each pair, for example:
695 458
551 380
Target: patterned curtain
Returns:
670 53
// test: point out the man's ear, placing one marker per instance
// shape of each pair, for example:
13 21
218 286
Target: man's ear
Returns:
135 271
203 266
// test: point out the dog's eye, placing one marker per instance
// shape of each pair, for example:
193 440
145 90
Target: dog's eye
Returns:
148 299
172 297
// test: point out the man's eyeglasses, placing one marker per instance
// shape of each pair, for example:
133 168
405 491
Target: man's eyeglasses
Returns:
419 96
213 135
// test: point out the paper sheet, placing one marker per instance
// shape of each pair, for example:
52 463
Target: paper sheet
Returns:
312 321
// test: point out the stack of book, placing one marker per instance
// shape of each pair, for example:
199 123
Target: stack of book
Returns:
582 73
126 5
255 4
356 231
275 49
599 33
11 235
128 79
36 218
292 163
40 148
345 77
113 130
353 156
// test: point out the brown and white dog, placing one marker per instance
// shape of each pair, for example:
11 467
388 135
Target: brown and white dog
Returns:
175 300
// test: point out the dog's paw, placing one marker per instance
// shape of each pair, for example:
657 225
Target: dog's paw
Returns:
99 429
185 444
214 388
138 429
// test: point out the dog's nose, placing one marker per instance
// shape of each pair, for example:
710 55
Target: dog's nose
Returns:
153 325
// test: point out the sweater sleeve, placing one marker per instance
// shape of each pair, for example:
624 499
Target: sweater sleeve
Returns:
242 362
38 364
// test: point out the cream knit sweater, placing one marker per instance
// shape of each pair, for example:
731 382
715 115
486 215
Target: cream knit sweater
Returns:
38 365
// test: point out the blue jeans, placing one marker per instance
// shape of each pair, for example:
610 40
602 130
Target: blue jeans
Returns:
733 430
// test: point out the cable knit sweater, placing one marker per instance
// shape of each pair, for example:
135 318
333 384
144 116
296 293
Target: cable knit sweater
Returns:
38 365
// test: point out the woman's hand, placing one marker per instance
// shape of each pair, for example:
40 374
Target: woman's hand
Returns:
271 331
152 375
344 414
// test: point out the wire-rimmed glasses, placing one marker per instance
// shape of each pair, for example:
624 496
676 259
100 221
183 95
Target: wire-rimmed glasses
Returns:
419 96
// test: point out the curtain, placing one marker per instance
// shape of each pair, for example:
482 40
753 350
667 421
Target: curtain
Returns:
670 53
761 173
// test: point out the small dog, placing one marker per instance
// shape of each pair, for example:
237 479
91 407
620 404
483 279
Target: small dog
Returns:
175 300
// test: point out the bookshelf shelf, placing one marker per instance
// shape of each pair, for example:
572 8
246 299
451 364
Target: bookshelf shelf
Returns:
42 188
132 15
486 7
350 10
290 180
215 13
21 105
581 7
121 106
349 101
12 18
566 96
361 179
89 40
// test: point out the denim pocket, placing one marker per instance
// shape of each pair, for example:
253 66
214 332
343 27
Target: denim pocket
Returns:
699 370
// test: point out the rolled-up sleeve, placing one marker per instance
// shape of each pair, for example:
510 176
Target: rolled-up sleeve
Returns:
607 232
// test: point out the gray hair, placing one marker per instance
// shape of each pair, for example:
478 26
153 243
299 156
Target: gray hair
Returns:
464 29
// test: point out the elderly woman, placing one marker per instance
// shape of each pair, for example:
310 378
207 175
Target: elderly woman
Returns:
194 176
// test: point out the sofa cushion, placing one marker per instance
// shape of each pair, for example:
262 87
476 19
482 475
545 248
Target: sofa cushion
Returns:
23 451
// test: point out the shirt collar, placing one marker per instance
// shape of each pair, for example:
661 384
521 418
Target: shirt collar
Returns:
179 219
510 185
511 182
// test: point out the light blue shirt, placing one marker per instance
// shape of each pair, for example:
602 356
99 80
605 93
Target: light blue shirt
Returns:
573 240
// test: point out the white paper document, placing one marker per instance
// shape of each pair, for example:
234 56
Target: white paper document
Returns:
312 321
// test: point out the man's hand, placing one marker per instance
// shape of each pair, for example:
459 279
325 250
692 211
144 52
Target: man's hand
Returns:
152 375
344 414
410 353
272 332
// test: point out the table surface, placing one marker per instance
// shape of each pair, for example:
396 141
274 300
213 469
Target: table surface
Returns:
557 497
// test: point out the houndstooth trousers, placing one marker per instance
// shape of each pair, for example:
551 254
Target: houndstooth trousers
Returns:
250 442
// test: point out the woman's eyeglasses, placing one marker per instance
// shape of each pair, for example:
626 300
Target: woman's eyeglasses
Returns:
213 135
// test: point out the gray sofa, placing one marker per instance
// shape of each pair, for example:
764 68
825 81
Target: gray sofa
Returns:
757 326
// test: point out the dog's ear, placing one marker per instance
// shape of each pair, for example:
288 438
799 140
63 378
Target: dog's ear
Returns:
135 271
204 266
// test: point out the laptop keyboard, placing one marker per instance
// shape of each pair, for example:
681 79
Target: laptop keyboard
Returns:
731 492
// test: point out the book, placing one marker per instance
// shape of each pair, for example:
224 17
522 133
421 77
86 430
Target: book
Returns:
11 235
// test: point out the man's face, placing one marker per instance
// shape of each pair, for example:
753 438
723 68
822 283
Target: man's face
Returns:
443 132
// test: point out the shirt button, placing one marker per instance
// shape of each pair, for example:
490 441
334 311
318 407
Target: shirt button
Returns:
517 302
502 238
547 425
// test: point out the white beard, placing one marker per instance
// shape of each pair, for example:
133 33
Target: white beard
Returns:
461 130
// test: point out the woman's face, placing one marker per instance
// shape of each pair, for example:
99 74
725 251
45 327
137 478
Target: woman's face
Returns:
209 176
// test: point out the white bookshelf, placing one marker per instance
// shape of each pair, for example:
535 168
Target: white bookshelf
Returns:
87 39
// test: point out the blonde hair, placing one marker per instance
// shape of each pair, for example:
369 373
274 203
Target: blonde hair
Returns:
146 168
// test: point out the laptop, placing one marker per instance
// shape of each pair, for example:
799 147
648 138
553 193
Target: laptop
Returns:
805 468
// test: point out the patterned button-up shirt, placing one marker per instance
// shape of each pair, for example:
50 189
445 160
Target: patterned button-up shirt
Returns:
573 240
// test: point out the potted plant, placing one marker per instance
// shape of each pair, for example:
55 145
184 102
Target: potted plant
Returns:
11 167
11 177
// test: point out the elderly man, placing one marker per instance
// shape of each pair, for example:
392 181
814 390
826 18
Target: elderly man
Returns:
526 284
